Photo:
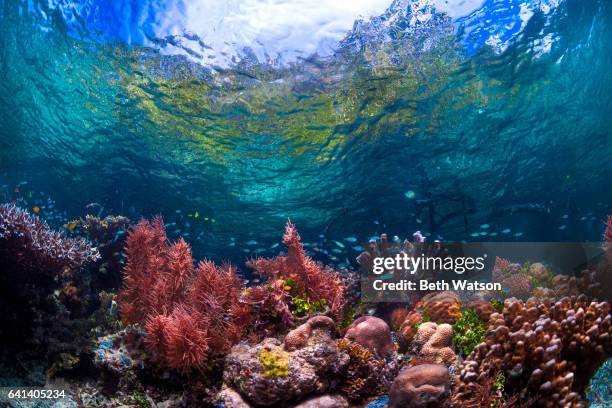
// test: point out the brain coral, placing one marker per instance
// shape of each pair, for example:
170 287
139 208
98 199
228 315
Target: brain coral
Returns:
442 307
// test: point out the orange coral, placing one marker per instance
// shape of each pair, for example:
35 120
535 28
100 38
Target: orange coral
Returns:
442 307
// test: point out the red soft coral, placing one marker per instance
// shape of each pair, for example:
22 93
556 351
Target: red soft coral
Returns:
308 276
190 314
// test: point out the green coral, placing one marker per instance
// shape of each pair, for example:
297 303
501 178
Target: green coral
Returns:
303 306
469 331
274 363
497 304
500 381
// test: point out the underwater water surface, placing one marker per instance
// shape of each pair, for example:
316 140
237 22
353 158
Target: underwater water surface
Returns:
467 120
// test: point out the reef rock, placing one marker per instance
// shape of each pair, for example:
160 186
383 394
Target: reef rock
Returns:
324 401
434 342
372 333
274 372
425 385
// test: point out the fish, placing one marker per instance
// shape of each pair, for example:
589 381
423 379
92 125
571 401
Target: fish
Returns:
340 244
71 226
410 194
275 245
518 234
506 231
484 226
36 209
196 215
565 216
562 227
493 234
358 248
251 242
475 234
336 250
90 205
350 239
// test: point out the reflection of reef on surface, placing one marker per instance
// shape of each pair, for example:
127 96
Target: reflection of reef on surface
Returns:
185 334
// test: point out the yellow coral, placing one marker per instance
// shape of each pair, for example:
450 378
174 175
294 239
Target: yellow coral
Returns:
274 363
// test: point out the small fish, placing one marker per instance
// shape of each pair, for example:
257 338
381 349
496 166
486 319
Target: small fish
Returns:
419 221
90 205
251 242
565 216
562 227
71 226
475 234
410 194
358 248
274 246
518 234
36 209
196 215
170 224
376 222
484 226
340 244
506 231
247 250
484 233
493 234
350 239
337 251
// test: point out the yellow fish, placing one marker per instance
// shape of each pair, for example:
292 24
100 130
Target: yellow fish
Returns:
71 226
36 209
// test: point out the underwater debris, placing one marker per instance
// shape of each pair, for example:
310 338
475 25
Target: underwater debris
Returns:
190 314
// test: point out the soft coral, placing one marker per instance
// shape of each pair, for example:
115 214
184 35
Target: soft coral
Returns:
308 277
190 314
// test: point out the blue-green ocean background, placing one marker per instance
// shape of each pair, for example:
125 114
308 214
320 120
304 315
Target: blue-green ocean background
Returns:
405 126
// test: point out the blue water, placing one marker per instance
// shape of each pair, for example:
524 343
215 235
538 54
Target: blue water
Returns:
229 117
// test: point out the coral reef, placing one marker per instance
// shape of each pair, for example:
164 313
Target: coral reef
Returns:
421 386
301 275
190 314
366 375
267 373
29 245
441 307
468 332
547 349
372 333
408 329
434 342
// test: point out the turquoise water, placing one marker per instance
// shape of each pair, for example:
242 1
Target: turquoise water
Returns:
482 122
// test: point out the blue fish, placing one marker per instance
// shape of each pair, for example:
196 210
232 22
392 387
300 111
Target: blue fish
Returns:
350 239
274 246
340 244
485 226
493 234
562 227
518 234
251 242
336 250
358 248
506 231
475 234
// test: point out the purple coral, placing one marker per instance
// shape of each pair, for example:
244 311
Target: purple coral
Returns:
31 245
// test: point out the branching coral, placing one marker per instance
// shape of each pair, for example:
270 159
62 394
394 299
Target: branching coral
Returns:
547 349
31 246
363 377
309 280
190 314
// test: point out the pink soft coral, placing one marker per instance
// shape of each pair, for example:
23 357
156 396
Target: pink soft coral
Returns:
308 276
190 314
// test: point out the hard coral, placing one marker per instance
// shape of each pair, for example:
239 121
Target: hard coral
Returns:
308 278
441 307
29 245
434 342
421 386
190 314
372 333
367 375
548 349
